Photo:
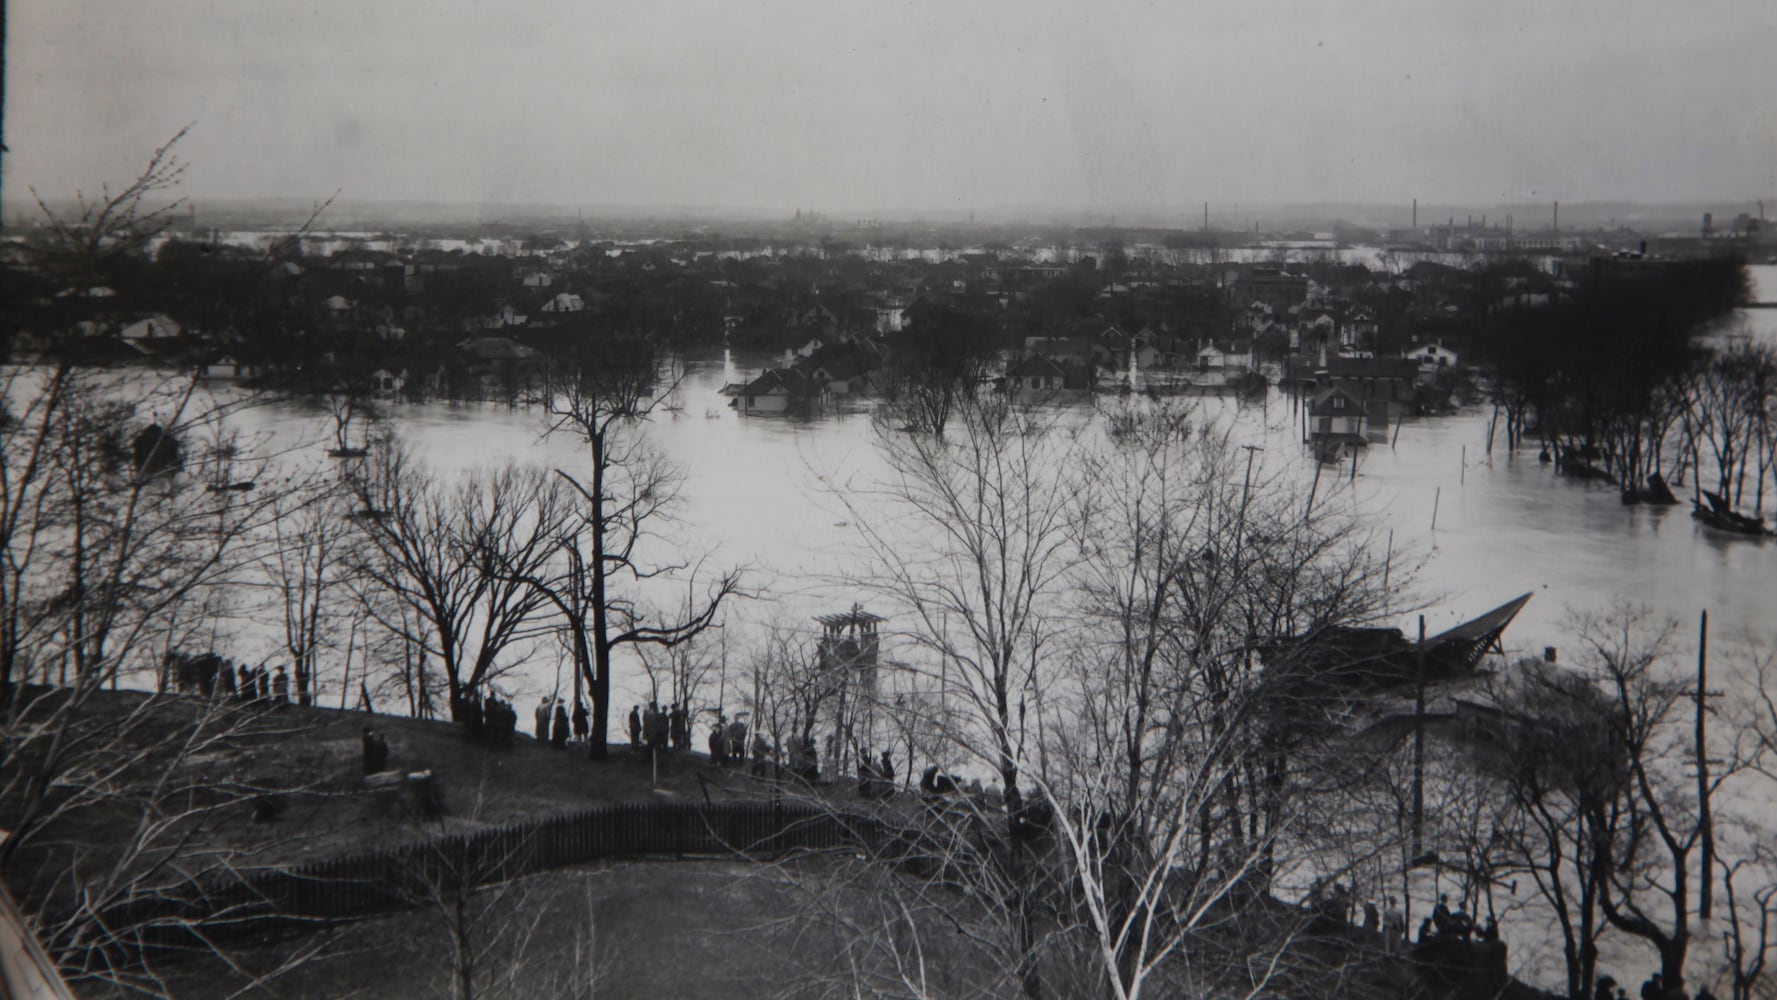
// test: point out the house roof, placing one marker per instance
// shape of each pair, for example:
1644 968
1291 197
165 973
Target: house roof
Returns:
1321 401
789 380
1033 366
1343 367
496 349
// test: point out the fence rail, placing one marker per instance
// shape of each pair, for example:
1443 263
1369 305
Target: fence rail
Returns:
273 900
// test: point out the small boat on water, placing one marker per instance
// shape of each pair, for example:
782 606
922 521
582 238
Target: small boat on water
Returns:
1721 515
1656 492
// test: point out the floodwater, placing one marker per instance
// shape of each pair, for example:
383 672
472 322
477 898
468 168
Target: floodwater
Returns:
766 493
763 492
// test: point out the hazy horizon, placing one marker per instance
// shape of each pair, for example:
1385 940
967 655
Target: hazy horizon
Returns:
1030 109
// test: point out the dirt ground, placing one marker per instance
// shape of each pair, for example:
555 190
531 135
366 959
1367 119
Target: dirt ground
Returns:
656 930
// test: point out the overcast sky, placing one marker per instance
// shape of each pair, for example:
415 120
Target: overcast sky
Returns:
853 107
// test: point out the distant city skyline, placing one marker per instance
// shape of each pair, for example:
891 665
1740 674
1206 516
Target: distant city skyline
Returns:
900 109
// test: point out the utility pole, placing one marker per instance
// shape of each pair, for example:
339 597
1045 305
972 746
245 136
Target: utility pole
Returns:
1706 902
1419 745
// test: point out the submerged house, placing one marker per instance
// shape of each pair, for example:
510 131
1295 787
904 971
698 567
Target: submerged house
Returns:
1031 380
1337 418
777 390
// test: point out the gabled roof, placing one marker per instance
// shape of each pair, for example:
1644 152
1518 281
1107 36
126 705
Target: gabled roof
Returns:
1034 366
789 381
1322 400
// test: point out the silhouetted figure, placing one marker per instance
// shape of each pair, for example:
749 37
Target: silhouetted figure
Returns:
376 752
1603 989
582 721
761 754
280 686
635 726
934 784
247 689
1394 925
1372 917
1489 930
1654 988
264 676
737 740
718 743
1425 930
560 735
885 770
680 723
499 720
475 721
807 764
1705 994
225 677
542 715
1443 919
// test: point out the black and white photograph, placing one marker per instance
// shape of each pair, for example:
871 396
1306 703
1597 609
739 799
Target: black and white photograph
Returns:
888 500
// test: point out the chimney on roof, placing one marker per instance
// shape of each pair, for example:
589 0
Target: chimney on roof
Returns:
1415 213
1557 216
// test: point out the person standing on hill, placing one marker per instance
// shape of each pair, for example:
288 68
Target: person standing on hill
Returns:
559 738
582 718
737 740
718 742
681 727
1394 925
542 716
280 686
654 726
635 727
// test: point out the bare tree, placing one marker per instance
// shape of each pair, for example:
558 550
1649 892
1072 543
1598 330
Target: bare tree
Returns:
1657 821
311 538
459 559
626 496
1169 771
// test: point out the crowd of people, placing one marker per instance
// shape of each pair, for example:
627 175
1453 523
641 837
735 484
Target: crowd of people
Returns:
1334 900
213 676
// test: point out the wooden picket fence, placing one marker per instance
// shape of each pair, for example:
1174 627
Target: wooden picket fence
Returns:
278 900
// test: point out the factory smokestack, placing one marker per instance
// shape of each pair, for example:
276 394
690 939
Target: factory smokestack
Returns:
1415 213
1557 216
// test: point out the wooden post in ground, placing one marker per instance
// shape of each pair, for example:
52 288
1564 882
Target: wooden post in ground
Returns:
1705 822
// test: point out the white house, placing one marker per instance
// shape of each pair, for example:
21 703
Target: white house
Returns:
565 302
1034 379
156 327
226 367
1432 356
1214 356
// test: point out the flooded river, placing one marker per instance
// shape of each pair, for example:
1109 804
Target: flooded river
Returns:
758 492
